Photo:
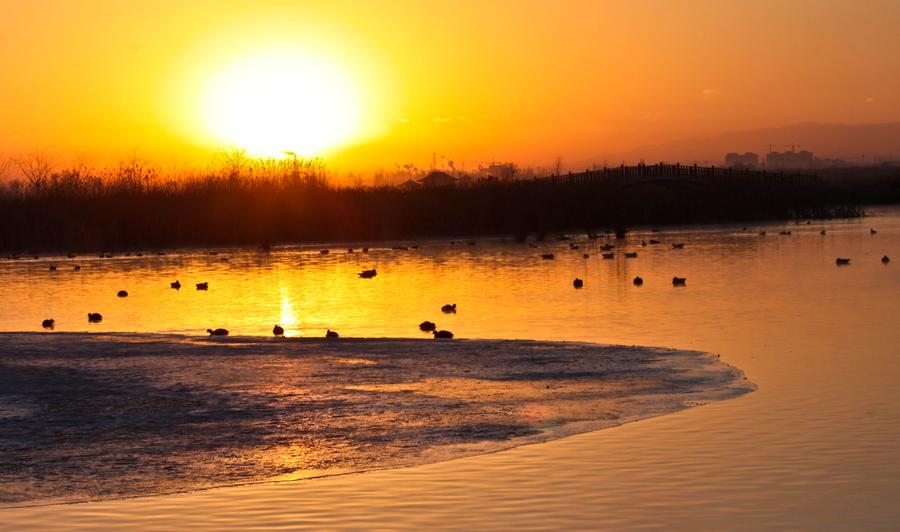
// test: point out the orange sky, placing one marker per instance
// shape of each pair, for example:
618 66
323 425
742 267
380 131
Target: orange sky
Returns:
472 81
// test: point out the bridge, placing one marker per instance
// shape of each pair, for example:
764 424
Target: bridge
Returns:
649 174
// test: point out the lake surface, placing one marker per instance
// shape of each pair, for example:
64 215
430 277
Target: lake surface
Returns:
816 445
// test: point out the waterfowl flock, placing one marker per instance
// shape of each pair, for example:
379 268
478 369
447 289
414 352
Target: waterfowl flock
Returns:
428 326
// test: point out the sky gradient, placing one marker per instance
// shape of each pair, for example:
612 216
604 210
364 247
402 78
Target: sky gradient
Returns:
470 82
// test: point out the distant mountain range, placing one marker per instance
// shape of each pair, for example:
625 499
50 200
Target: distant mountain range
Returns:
858 143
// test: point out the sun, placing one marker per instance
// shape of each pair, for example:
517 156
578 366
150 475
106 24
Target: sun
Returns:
276 102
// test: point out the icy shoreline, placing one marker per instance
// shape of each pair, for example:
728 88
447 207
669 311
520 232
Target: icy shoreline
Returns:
97 416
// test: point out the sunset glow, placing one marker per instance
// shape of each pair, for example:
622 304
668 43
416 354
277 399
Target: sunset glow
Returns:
274 103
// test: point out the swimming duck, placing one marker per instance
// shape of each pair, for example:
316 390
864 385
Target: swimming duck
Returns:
278 330
653 242
585 256
95 317
841 262
122 293
632 255
607 247
873 232
679 281
608 256
368 274
176 285
678 245
427 326
822 232
442 334
331 334
217 332
52 267
885 259
203 286
48 324
548 256
577 283
638 281
449 309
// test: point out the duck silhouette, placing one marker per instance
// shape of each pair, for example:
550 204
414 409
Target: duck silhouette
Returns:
368 274
217 332
577 283
203 286
122 293
873 232
638 281
841 262
608 256
548 256
427 326
449 309
632 255
278 330
95 317
331 334
176 285
442 334
885 259
678 245
679 281
49 323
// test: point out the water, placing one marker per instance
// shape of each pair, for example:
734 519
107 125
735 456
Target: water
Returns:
815 446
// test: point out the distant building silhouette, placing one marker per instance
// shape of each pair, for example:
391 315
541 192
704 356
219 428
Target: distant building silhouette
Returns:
789 160
436 178
742 160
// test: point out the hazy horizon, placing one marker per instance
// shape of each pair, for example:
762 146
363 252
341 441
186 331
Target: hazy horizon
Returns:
98 81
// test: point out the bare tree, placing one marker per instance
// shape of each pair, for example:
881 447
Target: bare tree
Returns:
36 167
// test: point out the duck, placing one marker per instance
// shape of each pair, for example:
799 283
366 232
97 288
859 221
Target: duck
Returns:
449 308
331 334
278 330
631 255
762 233
122 293
427 326
608 256
607 247
176 285
643 243
95 317
365 250
574 246
52 267
654 242
350 250
324 251
638 281
885 259
77 267
442 334
677 245
368 274
48 323
217 332
841 262
577 283
679 281
548 256
873 232
203 286
822 232
785 233
71 255
585 256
